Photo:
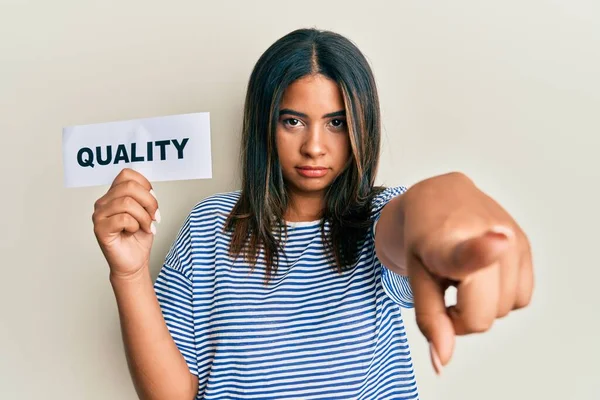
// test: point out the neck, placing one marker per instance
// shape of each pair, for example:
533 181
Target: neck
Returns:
304 207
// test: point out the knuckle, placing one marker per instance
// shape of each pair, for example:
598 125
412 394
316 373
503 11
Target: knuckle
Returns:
503 312
130 185
145 219
127 201
522 303
125 172
525 243
479 325
124 219
424 323
121 175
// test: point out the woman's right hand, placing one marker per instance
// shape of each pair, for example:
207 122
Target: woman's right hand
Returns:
124 223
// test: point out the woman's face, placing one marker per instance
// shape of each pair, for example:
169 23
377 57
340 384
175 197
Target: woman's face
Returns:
312 135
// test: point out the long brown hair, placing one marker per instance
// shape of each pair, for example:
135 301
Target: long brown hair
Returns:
256 220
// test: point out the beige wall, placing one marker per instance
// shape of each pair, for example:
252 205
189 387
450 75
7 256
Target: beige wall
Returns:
508 92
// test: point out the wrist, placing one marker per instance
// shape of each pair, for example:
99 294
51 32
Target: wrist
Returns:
130 278
435 184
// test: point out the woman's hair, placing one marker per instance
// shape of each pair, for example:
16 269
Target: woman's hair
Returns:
257 218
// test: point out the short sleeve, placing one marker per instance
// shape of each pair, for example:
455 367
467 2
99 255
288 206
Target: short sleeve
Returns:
173 289
397 287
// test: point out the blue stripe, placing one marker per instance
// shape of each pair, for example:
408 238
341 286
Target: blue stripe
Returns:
312 333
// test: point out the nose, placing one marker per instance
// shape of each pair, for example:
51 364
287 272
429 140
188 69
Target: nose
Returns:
314 144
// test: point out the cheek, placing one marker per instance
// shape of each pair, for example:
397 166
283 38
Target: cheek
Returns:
343 145
282 147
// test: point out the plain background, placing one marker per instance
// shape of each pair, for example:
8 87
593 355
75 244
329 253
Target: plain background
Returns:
507 92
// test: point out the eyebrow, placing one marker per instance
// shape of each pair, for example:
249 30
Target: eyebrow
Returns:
341 113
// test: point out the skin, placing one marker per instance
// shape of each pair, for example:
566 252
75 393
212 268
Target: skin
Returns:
311 131
123 220
467 240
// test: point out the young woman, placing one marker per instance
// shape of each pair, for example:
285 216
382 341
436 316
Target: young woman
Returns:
291 288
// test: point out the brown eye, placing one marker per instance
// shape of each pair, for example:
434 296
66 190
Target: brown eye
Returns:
292 122
338 123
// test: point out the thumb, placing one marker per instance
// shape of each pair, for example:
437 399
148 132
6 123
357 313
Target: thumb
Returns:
430 312
473 254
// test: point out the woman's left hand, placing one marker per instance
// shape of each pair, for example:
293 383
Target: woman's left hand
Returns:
456 235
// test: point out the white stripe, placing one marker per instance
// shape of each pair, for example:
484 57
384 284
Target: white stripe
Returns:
311 333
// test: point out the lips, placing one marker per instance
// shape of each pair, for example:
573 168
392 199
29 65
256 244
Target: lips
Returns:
310 171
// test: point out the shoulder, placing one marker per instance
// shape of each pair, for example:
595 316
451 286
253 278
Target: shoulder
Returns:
219 204
384 195
202 223
211 213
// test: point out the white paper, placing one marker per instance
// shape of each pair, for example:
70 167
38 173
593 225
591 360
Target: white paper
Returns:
174 147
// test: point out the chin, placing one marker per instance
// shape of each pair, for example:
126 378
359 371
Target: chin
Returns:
314 186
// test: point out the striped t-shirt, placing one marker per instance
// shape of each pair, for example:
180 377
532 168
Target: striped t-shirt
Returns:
311 333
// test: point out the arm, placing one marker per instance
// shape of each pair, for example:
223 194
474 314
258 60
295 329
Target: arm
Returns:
444 231
158 369
389 236
124 225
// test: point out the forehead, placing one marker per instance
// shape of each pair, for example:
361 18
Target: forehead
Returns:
313 93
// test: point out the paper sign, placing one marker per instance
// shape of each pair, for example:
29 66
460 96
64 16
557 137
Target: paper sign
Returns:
174 147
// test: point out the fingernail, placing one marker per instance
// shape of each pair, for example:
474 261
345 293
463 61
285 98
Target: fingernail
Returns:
157 216
502 230
153 194
435 359
153 228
